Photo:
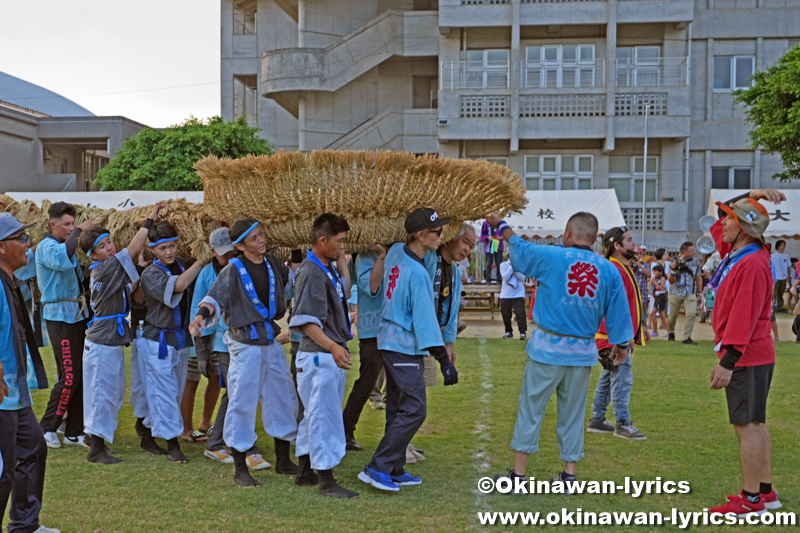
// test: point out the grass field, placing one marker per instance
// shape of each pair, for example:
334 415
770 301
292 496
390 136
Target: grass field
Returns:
465 437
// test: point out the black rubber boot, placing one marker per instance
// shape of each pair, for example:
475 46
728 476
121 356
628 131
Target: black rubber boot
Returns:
98 453
283 461
305 476
351 444
329 487
140 428
149 444
174 453
88 439
242 475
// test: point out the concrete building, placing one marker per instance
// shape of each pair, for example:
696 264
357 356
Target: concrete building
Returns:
556 89
50 143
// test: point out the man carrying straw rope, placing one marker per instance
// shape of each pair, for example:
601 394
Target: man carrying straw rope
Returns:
369 282
64 307
321 313
167 285
108 333
408 330
250 295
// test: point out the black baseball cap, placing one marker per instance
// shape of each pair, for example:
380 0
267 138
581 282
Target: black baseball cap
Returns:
424 218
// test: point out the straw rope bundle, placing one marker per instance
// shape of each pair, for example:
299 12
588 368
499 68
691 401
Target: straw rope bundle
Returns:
192 224
373 190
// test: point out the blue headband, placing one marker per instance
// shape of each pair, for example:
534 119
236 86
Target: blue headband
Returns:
162 241
243 235
97 241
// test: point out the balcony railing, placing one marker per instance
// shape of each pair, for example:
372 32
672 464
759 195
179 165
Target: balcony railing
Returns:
562 105
633 104
485 106
654 217
473 75
661 72
580 75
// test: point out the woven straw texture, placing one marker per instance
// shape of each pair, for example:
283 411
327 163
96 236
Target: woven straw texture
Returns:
192 224
373 190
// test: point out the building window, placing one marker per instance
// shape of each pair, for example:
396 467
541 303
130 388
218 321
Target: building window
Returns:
639 66
558 66
625 175
486 68
558 172
244 17
499 160
245 98
733 72
731 177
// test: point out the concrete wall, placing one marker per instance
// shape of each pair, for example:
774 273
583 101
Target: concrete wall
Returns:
20 151
24 138
241 55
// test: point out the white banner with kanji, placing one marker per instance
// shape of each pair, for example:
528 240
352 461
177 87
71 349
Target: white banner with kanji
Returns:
548 211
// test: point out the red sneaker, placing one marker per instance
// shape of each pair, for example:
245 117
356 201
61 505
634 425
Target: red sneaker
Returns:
740 507
770 500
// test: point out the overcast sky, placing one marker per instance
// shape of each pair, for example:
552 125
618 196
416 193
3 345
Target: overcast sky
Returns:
153 61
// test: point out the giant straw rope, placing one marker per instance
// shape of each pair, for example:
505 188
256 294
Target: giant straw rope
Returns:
373 190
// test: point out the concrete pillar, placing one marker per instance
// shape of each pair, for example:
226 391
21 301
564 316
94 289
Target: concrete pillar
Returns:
709 77
708 171
756 170
301 122
611 70
301 23
759 52
514 77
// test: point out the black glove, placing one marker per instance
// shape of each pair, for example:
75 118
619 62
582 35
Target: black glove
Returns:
448 369
606 359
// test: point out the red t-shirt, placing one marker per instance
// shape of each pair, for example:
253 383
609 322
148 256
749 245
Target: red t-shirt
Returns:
743 307
634 301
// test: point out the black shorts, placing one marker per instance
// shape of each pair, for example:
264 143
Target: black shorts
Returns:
660 302
747 393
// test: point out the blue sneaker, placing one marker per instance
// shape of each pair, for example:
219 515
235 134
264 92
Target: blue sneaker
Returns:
379 480
407 479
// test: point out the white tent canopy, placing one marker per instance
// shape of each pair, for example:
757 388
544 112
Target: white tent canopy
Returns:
783 218
119 200
548 211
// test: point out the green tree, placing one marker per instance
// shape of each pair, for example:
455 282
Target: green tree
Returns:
161 160
773 109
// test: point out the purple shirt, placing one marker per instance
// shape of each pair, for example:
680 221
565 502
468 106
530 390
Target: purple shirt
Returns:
486 236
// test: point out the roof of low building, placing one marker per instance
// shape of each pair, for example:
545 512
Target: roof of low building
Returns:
30 97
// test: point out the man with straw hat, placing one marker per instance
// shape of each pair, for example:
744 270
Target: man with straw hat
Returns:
23 453
742 310
408 330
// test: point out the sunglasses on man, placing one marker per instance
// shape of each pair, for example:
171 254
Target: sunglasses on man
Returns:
23 238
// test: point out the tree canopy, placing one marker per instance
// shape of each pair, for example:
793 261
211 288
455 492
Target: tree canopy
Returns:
773 109
161 160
